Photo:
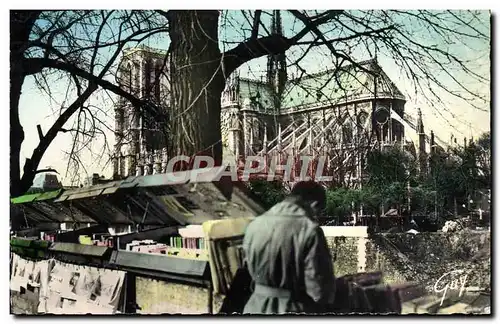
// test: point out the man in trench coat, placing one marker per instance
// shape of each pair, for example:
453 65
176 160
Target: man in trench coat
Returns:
288 258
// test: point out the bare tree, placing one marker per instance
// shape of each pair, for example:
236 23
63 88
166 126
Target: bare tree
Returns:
80 47
484 156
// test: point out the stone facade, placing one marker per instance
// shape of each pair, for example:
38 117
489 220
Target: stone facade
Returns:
402 257
333 112
139 134
329 113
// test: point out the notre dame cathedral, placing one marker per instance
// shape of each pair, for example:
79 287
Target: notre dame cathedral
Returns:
333 111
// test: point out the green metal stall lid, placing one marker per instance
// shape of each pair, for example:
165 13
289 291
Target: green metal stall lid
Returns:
159 263
24 199
82 249
22 242
36 196
48 195
89 192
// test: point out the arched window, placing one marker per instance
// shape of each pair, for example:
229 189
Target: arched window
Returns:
362 117
361 122
148 82
397 130
256 128
136 77
129 77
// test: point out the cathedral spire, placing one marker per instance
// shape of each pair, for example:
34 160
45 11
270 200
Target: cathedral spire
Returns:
276 64
422 156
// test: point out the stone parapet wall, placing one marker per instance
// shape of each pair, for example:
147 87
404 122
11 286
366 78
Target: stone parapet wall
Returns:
426 257
344 251
422 258
347 247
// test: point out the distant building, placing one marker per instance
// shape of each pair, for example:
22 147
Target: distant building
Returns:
95 179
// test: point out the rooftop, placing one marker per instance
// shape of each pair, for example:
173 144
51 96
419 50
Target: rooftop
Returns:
331 87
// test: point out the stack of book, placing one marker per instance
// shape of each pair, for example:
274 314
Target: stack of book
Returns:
49 237
96 240
190 237
104 242
150 248
188 243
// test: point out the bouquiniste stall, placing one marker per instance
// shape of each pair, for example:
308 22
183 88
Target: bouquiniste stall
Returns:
145 226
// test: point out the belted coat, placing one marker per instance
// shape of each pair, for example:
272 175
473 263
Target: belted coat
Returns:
289 261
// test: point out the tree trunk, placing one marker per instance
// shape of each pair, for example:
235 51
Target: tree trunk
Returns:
197 83
16 130
21 23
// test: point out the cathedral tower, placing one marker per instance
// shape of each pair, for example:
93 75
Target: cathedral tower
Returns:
142 73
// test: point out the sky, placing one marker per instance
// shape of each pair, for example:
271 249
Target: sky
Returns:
456 117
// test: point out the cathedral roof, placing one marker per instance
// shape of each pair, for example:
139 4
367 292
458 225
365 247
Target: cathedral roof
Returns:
329 87
259 93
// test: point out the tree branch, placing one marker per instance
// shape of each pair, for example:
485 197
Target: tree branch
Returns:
274 44
313 22
358 34
256 22
313 27
31 164
40 132
252 49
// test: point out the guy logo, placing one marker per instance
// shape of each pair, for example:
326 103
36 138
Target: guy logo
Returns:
454 280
